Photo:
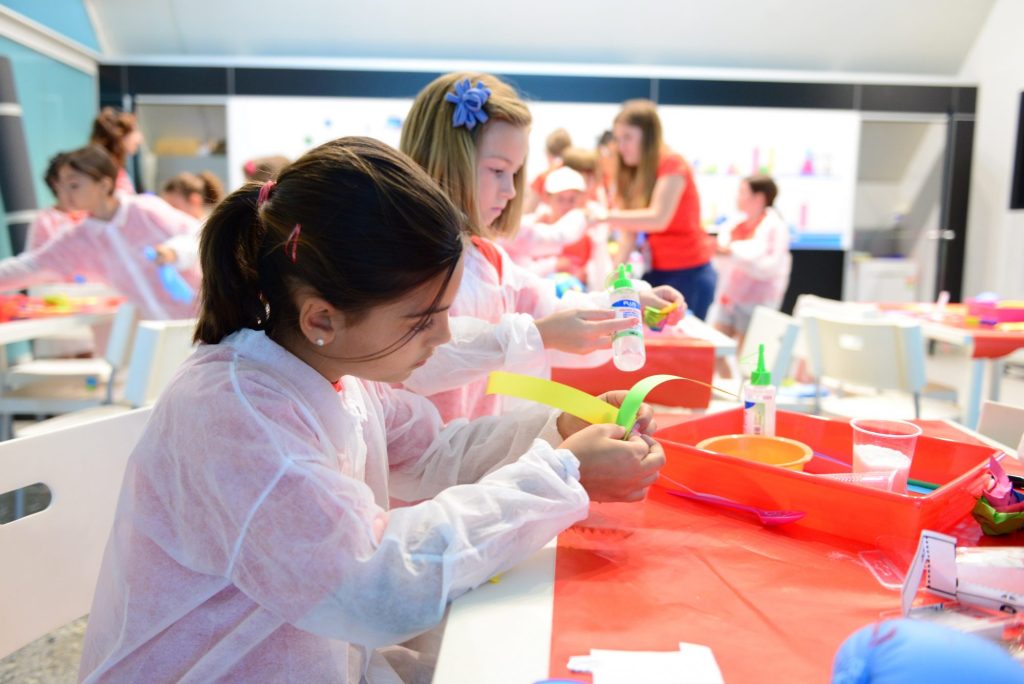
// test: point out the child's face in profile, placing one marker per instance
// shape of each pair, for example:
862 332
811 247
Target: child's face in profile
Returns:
500 154
385 324
83 193
562 203
749 202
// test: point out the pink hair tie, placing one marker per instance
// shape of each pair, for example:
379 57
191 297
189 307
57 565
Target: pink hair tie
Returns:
292 245
265 191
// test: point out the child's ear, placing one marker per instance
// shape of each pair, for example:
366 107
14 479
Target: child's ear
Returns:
318 321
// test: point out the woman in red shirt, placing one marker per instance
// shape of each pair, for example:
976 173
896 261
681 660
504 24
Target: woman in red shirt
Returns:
657 196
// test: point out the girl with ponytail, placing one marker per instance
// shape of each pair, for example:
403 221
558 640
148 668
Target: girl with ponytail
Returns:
254 538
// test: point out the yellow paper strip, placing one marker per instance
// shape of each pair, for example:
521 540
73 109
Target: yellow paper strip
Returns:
553 394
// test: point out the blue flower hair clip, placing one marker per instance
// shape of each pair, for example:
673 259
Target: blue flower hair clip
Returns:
469 104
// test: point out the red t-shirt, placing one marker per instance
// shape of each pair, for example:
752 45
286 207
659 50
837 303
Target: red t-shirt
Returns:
684 244
537 184
576 256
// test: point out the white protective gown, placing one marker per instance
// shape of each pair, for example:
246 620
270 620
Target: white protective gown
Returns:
503 336
112 252
757 270
253 540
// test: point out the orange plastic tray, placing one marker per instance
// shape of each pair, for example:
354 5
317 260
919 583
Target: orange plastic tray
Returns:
839 508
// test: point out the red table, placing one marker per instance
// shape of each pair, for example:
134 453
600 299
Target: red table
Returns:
774 604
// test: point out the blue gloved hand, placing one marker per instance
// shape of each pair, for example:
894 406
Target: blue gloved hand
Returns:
900 651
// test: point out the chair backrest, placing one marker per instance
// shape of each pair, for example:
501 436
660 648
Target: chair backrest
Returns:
778 333
50 560
120 338
809 304
881 354
160 347
1002 422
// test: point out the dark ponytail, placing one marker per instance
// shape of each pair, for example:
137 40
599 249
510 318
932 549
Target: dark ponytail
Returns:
374 226
229 256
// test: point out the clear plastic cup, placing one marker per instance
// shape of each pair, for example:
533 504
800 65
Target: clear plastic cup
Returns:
880 479
884 446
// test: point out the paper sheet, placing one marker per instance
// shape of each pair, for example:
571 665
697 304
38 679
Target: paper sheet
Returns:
691 664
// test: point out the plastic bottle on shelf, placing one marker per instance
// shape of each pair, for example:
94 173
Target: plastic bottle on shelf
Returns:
628 351
759 400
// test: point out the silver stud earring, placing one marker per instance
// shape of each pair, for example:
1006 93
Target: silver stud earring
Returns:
319 341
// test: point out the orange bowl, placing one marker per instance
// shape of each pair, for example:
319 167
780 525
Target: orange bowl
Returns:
777 451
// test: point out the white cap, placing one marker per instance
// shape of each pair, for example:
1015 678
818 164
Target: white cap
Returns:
563 178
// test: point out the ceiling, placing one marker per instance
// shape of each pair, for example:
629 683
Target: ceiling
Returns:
927 37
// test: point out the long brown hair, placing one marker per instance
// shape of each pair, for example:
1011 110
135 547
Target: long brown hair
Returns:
448 153
373 227
636 183
109 130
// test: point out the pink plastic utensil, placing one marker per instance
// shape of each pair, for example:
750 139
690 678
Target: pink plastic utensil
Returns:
767 518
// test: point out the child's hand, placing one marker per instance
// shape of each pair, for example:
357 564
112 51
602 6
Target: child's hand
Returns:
569 424
662 296
613 469
581 330
165 255
596 213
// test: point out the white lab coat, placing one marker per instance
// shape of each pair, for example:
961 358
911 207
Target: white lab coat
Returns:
503 336
536 245
757 270
112 252
253 539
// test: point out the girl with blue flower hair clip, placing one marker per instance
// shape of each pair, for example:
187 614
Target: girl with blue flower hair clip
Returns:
469 104
470 132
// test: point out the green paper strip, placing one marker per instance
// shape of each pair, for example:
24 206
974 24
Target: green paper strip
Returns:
635 397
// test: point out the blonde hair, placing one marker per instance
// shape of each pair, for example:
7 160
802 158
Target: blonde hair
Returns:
448 153
636 183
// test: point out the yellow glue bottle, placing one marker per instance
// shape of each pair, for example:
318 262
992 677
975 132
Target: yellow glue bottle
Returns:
759 400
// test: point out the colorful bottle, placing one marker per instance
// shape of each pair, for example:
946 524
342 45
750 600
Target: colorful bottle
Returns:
759 400
628 352
176 286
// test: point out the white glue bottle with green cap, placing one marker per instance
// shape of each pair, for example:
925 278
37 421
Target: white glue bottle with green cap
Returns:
627 345
759 400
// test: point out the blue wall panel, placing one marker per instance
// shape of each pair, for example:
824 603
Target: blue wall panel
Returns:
58 106
66 17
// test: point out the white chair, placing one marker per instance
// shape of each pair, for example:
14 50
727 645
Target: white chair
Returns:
51 559
160 347
877 368
1002 422
778 333
104 369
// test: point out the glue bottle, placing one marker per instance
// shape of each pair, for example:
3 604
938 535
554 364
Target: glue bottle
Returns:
176 286
759 400
628 351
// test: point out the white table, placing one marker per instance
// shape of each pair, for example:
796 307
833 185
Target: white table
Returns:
501 633
30 329
959 337
502 629
694 327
